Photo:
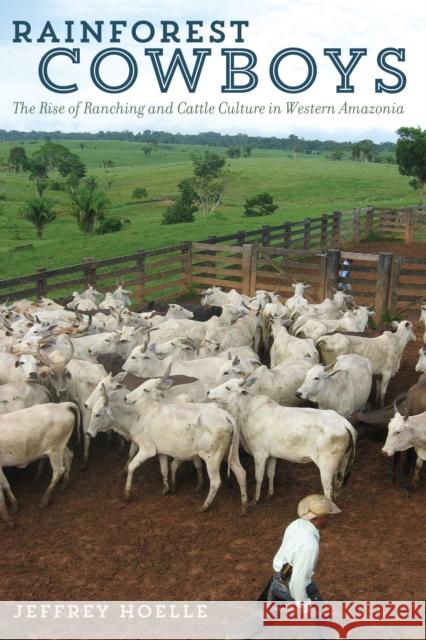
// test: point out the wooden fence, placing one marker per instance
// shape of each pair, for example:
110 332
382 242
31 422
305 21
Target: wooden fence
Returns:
267 258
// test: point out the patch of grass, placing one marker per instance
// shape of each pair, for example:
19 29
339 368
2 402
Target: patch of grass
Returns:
301 186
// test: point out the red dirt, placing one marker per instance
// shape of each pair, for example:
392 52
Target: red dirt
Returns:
91 545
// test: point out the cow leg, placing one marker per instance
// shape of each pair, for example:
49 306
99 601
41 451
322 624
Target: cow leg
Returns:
142 455
68 457
3 510
132 452
259 466
164 468
40 468
270 472
327 473
56 459
415 478
86 449
213 470
199 468
5 486
384 382
240 473
175 464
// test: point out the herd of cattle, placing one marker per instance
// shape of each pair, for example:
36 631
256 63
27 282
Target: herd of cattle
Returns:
282 380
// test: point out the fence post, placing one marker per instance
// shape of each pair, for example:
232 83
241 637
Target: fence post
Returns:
140 275
337 218
324 230
266 235
384 270
409 226
187 264
369 218
332 272
249 269
287 235
41 282
356 217
89 268
241 236
323 277
394 290
306 233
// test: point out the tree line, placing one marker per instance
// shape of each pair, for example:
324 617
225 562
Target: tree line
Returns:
291 143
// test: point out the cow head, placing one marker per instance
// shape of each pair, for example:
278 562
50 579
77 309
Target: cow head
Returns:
421 363
400 435
54 374
316 381
27 365
231 392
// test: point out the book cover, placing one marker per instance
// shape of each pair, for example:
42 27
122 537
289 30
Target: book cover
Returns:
252 177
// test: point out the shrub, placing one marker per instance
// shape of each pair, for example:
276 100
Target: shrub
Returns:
139 193
261 204
184 208
109 225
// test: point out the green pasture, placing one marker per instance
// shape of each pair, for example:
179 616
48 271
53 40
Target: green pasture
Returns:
302 186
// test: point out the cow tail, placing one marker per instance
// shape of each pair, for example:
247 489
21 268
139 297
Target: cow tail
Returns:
345 465
235 442
78 425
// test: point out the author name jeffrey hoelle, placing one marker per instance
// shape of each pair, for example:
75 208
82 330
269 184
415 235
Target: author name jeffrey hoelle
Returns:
225 107
90 610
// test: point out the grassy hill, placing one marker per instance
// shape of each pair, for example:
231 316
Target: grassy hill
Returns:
301 186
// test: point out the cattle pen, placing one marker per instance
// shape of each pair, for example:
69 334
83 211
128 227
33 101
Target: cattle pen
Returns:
90 545
274 257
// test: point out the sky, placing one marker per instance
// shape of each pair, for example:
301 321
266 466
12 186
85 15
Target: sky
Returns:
274 25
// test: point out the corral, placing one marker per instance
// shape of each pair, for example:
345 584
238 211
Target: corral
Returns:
91 545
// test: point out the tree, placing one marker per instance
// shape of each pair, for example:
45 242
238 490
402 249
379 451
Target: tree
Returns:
411 157
89 206
147 150
139 193
38 174
207 182
261 204
356 151
233 152
39 212
208 165
337 155
185 206
17 160
247 149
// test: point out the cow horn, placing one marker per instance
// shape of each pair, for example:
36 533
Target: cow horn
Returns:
7 325
167 371
104 395
329 366
71 352
146 343
43 357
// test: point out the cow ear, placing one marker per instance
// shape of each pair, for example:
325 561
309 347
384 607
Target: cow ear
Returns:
17 363
165 383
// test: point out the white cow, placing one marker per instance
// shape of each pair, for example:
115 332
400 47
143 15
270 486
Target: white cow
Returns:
281 382
270 431
20 395
31 434
350 321
287 346
17 368
421 363
182 431
344 386
384 352
405 433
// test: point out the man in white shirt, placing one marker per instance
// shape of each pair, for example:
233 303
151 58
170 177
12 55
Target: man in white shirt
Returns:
295 561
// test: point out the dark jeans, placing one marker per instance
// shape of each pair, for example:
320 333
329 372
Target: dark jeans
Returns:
278 590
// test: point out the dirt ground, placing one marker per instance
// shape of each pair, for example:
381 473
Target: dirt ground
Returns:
91 545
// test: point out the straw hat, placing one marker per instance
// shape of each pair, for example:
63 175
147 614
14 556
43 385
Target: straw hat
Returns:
315 506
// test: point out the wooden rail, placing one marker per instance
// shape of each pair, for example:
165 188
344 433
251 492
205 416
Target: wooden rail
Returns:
272 257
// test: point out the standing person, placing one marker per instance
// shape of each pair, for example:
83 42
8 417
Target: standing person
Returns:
295 561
